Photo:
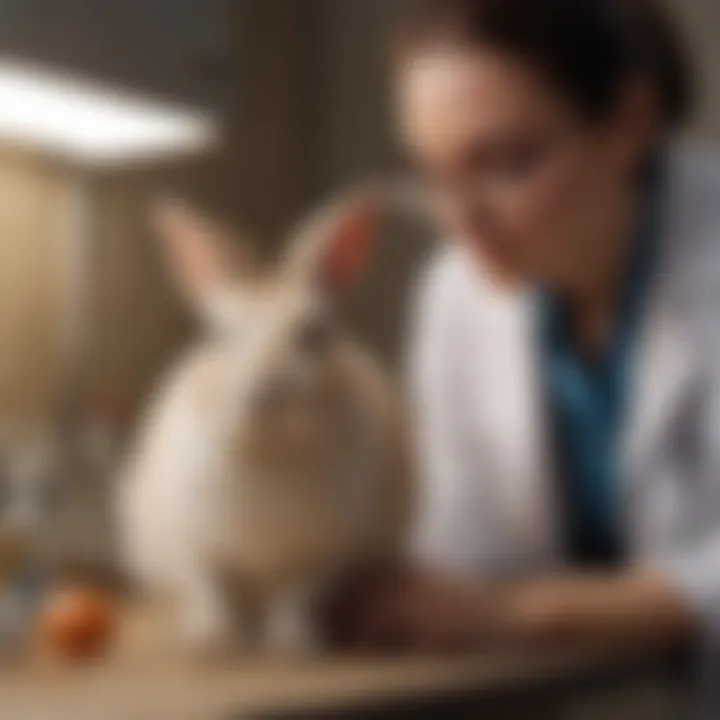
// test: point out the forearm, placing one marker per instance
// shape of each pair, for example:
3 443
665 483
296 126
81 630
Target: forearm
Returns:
632 609
434 610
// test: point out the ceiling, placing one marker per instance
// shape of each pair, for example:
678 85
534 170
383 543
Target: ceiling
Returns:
177 48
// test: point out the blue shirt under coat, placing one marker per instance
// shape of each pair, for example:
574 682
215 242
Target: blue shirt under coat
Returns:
588 397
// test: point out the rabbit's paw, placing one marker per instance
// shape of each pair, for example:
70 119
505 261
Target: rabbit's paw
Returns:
292 630
207 629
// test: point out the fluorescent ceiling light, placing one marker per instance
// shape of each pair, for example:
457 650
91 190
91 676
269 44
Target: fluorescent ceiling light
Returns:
91 123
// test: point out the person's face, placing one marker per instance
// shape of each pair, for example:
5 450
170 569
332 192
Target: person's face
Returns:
512 169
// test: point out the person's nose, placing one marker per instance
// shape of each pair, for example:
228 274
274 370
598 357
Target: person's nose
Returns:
465 215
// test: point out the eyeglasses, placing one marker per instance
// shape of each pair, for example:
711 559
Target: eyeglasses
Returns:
505 175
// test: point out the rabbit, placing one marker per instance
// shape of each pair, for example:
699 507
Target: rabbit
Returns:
273 456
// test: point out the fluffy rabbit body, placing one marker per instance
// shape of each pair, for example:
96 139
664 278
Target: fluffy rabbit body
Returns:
272 456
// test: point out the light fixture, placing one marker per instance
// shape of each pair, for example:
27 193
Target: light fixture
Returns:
89 127
92 124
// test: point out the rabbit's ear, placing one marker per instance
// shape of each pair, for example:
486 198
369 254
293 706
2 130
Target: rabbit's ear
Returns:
334 246
201 255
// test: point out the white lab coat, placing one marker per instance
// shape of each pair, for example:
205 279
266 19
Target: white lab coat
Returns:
488 499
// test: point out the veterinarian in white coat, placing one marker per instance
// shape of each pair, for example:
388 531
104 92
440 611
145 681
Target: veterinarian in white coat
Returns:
565 357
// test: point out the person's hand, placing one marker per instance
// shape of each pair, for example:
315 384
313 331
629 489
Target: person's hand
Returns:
421 609
632 609
397 609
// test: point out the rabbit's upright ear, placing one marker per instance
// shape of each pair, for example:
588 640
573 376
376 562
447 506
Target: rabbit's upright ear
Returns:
334 245
201 255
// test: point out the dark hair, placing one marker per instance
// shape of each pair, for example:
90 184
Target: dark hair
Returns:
587 48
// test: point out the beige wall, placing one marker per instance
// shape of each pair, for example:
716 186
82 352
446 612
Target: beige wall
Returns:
137 321
133 322
33 200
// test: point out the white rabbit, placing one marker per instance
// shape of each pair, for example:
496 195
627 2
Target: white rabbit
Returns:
273 456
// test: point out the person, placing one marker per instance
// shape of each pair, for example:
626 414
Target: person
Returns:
565 334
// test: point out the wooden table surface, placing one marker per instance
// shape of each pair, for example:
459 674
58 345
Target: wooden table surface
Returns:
142 679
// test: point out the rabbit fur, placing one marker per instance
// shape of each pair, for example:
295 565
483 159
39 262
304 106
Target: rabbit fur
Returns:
272 457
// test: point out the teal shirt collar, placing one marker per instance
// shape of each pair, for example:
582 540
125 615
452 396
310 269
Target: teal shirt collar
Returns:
587 398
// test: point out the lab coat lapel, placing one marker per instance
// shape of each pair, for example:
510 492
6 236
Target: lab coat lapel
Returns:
516 428
665 367
663 377
519 449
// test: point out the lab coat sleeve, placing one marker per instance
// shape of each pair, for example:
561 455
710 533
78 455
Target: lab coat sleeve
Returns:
435 353
695 574
694 569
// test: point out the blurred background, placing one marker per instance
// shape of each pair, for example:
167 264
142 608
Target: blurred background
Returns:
283 102
299 90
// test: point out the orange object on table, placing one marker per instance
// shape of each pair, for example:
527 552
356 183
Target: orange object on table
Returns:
77 622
